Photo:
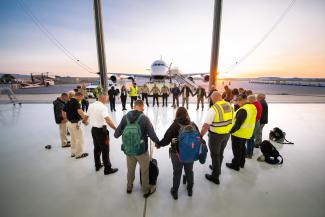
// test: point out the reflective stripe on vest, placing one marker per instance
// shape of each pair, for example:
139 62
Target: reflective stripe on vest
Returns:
222 123
247 128
134 91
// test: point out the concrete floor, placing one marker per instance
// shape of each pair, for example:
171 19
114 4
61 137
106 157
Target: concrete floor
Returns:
38 182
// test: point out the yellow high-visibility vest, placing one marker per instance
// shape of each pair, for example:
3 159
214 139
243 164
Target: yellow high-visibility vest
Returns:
247 128
222 122
134 91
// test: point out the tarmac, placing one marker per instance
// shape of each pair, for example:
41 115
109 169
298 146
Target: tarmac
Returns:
49 98
38 182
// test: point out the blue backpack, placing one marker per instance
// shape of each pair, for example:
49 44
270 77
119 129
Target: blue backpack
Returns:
189 141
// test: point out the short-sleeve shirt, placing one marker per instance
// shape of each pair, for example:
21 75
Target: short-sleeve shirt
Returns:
97 112
210 116
71 108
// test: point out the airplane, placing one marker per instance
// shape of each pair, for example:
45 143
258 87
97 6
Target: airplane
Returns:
159 72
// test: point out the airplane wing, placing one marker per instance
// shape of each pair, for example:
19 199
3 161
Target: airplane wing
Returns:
196 73
127 75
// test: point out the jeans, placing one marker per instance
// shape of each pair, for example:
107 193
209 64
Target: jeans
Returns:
177 172
251 141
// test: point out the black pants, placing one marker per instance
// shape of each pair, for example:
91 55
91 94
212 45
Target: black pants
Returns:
112 104
217 145
239 151
175 98
177 172
165 99
133 99
155 99
123 100
145 97
101 146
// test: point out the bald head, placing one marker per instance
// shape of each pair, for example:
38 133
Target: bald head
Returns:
103 97
216 97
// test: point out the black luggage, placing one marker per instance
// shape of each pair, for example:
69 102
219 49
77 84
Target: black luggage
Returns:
278 135
153 169
153 172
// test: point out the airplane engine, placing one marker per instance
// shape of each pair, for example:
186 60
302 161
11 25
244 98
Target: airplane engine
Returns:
113 78
206 78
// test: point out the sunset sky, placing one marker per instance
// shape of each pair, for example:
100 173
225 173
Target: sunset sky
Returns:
139 31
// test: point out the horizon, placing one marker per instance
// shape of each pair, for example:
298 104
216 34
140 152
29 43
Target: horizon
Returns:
179 31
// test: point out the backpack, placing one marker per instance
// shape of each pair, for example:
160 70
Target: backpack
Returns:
270 153
132 144
277 135
189 142
203 152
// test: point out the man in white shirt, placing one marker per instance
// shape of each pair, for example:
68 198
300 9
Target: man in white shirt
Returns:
99 120
219 123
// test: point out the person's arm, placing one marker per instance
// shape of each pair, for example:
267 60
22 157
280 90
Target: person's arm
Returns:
196 92
150 130
81 113
210 93
169 135
190 91
204 129
208 121
266 113
110 122
240 118
119 130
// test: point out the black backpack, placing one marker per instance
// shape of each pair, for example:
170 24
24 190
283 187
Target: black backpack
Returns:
277 135
270 153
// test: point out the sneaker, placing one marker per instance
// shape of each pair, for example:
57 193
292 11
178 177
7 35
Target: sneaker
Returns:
73 155
230 166
110 171
66 146
83 155
211 179
174 194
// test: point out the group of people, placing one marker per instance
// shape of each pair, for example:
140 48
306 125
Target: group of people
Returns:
239 117
143 92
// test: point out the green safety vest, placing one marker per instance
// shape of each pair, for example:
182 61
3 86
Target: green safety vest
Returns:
222 122
247 128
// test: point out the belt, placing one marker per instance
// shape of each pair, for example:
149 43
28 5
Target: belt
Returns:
100 128
217 133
